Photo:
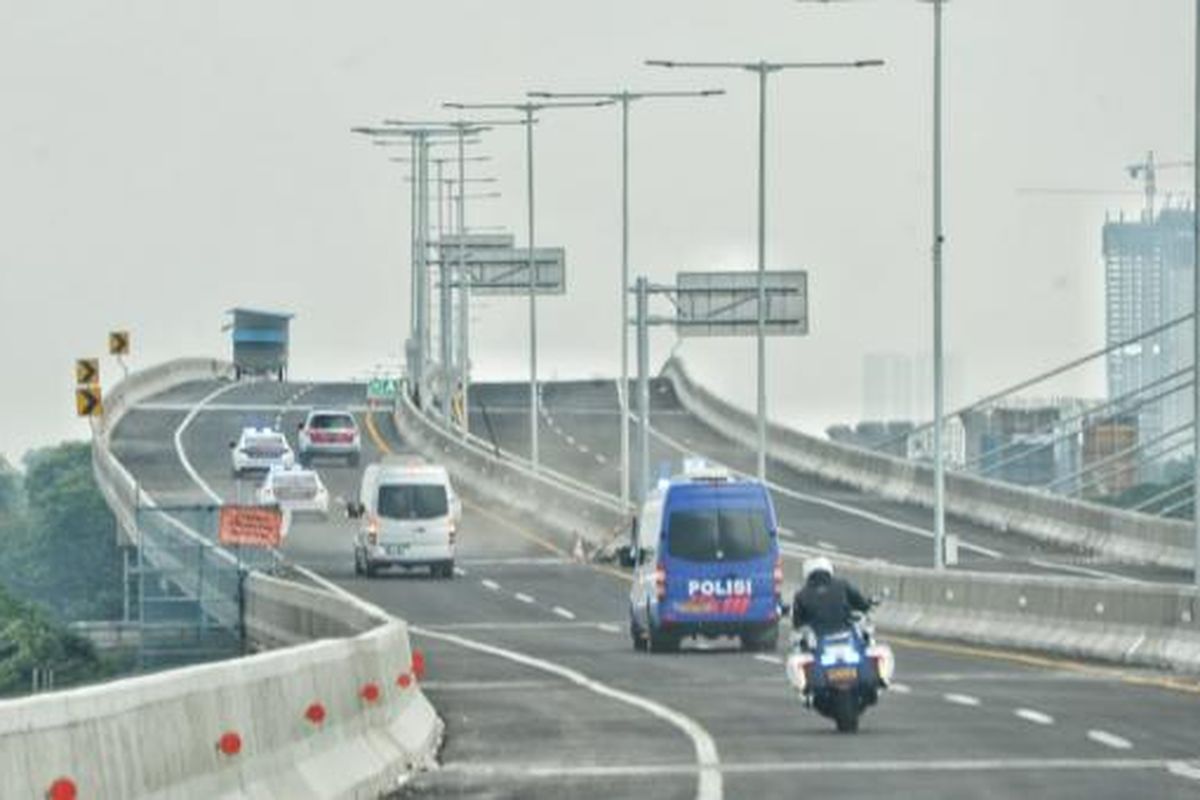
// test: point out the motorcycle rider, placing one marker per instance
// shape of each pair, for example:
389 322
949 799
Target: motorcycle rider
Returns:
825 603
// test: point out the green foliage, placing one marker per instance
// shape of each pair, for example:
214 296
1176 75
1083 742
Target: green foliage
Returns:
29 640
58 540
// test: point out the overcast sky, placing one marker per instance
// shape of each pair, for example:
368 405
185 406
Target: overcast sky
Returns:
163 161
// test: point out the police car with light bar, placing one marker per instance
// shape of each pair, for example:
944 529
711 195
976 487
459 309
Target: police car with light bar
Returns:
260 449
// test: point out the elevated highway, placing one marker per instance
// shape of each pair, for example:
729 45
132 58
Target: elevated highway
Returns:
529 660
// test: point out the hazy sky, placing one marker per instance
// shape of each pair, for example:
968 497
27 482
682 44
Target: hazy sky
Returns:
163 161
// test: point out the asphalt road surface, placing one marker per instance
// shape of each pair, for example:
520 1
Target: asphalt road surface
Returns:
530 663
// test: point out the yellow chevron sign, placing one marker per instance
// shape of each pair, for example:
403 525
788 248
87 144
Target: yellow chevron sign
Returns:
87 401
87 371
118 343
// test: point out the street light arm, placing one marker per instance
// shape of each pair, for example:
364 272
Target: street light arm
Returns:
628 95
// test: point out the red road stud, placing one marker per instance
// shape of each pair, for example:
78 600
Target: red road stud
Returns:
404 681
230 743
315 713
369 692
418 664
62 789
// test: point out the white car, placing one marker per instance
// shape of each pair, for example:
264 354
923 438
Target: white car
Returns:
410 517
329 432
294 489
260 449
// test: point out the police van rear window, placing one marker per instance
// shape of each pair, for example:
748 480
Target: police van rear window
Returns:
412 501
718 534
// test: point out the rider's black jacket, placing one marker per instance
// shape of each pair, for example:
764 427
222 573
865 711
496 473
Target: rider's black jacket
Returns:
825 602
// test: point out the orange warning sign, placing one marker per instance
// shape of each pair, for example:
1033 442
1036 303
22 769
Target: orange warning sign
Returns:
250 526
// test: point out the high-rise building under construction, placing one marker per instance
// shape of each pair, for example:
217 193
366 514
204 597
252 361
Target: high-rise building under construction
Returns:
1148 283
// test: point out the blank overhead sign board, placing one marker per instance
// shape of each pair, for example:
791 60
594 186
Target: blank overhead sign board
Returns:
726 303
507 271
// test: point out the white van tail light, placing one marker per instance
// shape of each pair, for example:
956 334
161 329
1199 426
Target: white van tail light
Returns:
373 530
778 576
660 582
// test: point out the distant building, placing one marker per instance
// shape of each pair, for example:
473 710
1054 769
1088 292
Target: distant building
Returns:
1148 282
1108 461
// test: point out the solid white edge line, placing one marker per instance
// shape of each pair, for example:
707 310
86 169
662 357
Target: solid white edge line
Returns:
179 450
1109 739
710 785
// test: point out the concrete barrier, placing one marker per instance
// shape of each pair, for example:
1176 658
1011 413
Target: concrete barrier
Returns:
1149 625
566 512
339 717
305 723
1113 533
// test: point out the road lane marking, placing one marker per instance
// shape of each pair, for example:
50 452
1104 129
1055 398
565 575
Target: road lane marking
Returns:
182 453
1036 717
1184 770
1109 740
767 658
1009 656
524 598
526 771
517 626
562 612
600 459
488 583
459 571
900 688
787 533
710 784
961 699
609 627
827 546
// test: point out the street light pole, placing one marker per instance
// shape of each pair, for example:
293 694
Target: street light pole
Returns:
625 98
939 382
763 69
1196 299
528 110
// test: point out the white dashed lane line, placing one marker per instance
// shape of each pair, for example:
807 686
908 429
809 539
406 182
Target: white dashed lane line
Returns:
562 612
524 598
900 688
459 571
490 584
1036 717
1184 770
601 459
767 658
608 628
1109 740
961 699
827 546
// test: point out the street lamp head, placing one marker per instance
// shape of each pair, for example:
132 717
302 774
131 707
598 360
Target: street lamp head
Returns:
870 62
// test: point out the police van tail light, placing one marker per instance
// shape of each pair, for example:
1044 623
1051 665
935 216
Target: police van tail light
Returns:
778 576
660 581
452 528
373 530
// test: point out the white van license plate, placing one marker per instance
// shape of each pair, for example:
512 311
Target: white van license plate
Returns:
396 549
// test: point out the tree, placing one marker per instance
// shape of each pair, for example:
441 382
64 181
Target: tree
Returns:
61 550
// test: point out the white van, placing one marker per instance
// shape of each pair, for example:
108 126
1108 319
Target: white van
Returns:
410 517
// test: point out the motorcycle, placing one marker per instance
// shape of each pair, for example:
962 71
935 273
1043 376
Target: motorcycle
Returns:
841 674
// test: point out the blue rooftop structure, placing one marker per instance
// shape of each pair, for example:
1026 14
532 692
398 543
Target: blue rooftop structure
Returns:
260 341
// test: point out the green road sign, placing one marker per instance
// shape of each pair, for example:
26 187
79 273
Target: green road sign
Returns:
382 388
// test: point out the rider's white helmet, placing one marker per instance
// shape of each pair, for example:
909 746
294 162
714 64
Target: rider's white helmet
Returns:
817 564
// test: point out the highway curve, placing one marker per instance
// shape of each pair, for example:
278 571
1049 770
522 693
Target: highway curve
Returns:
529 659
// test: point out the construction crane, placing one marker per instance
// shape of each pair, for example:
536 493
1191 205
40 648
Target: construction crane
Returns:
1148 171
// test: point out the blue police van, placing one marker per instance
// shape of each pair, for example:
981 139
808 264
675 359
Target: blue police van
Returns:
705 555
